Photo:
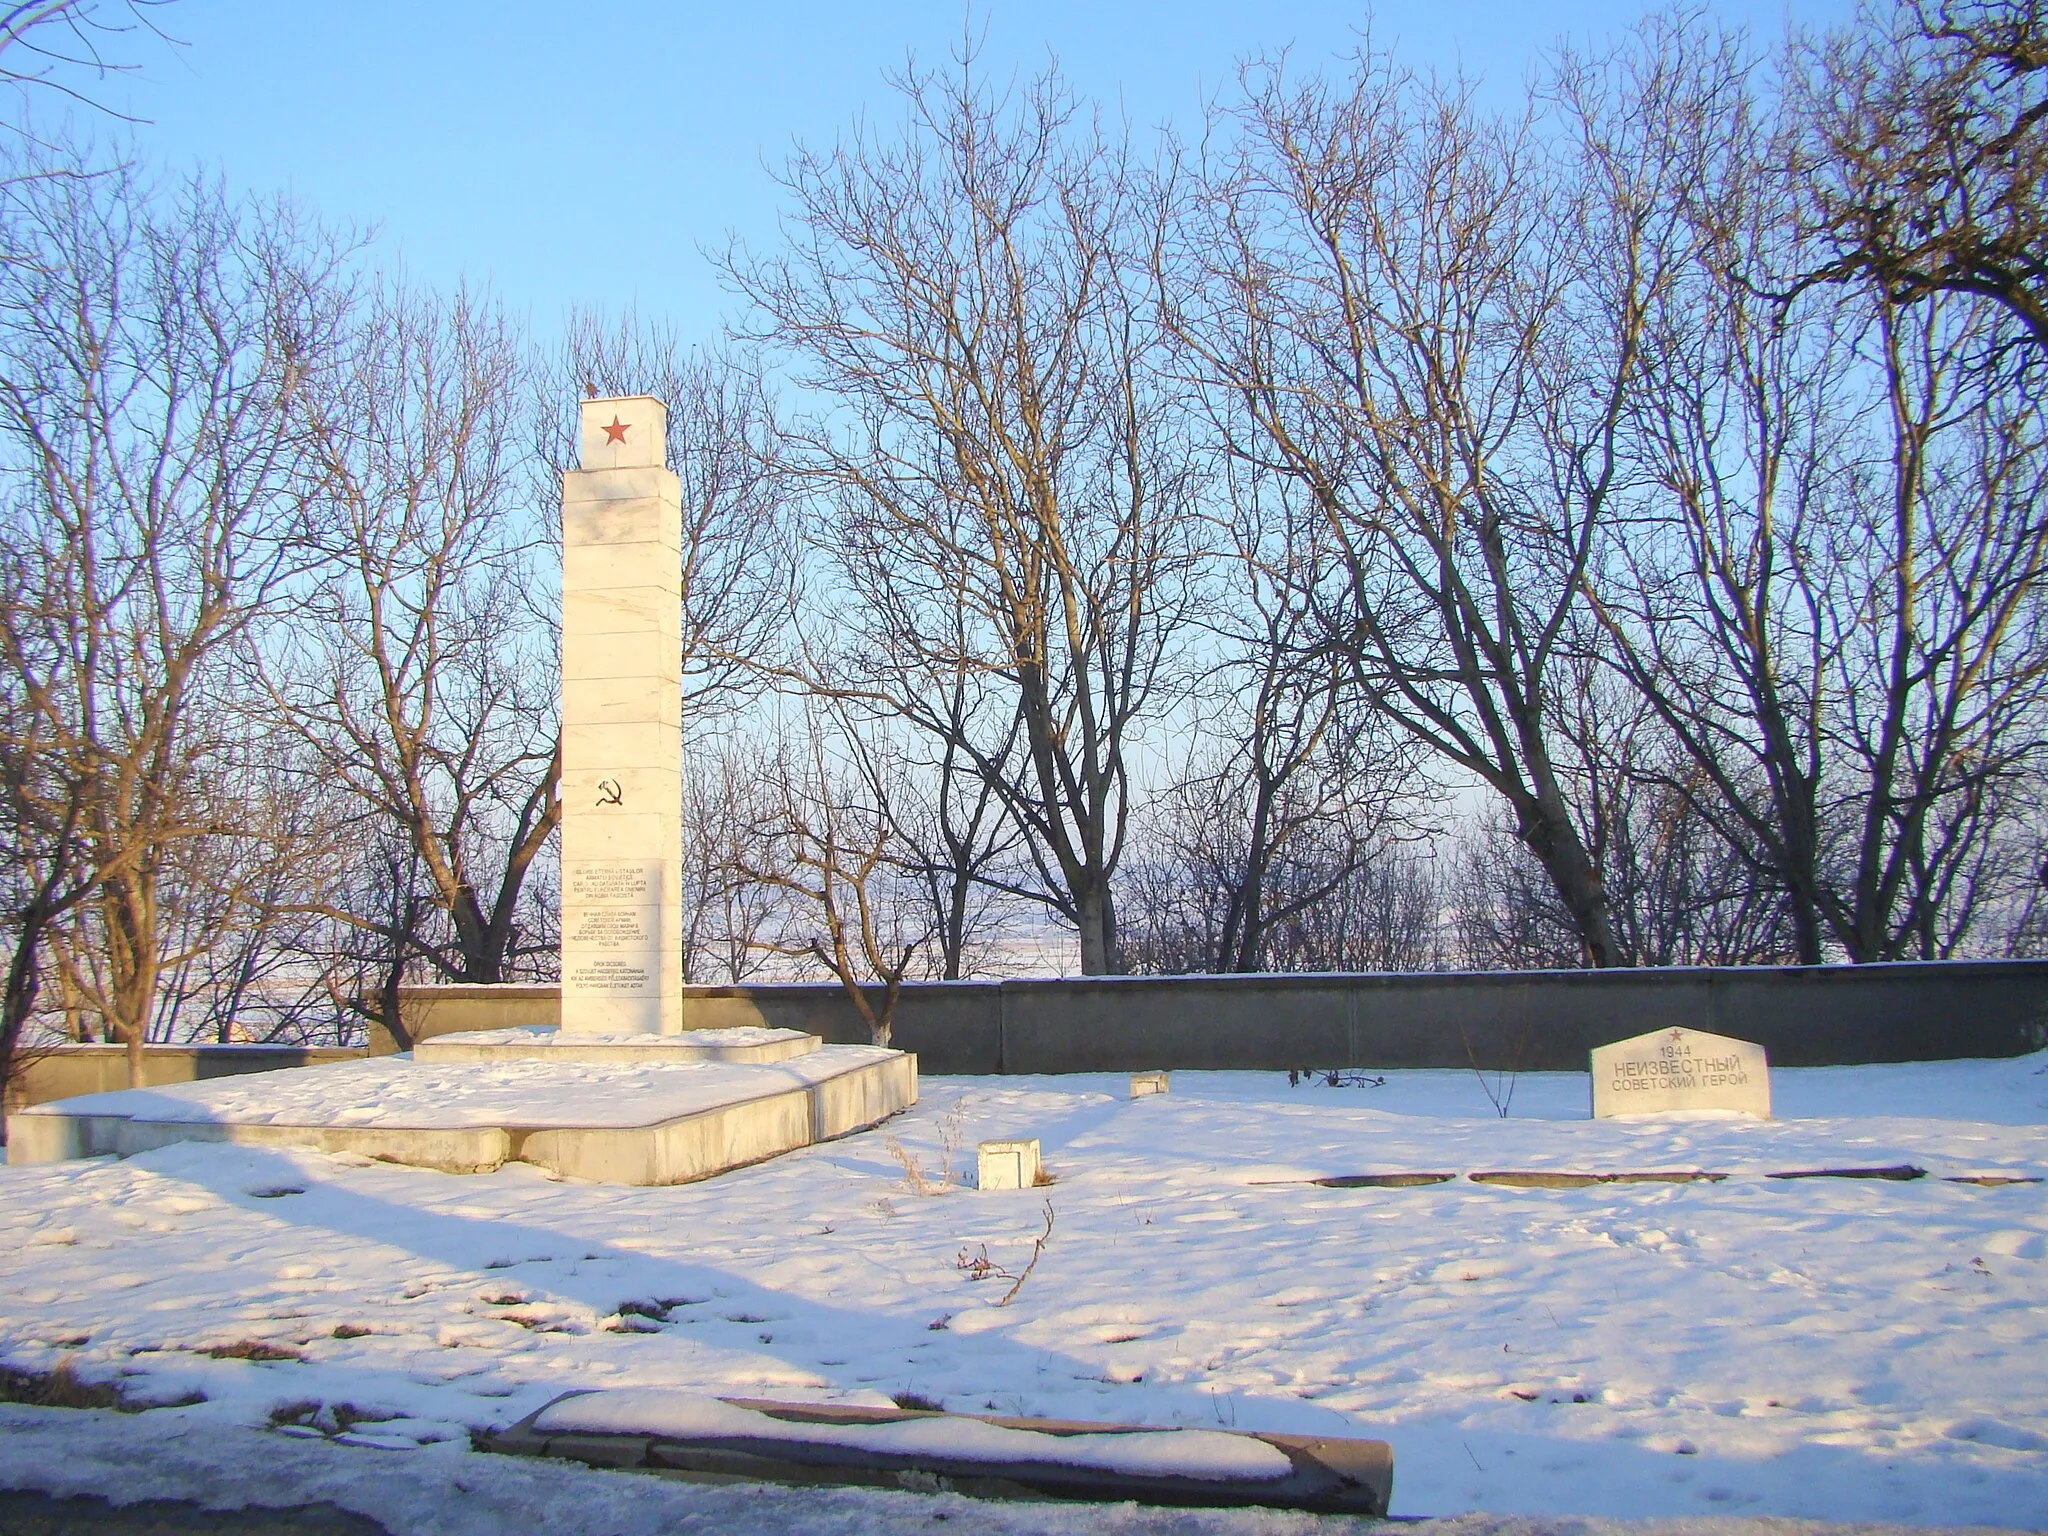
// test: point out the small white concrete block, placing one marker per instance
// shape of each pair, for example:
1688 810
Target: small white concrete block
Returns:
1145 1084
1680 1069
1007 1164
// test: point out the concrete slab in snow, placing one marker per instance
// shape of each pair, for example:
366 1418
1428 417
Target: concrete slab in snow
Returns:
698 1435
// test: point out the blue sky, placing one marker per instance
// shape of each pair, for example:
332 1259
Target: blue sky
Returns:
586 154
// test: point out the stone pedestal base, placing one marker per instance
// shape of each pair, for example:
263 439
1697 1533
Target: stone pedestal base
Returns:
642 1114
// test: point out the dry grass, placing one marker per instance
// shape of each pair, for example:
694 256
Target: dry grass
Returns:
61 1388
952 1128
914 1176
252 1349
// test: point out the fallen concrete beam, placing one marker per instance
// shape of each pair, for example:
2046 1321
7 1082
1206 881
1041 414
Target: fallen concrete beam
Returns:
688 1435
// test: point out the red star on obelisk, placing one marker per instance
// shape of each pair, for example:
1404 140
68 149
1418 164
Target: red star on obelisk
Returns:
616 432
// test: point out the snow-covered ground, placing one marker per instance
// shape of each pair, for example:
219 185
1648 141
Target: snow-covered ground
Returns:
446 1491
1847 1350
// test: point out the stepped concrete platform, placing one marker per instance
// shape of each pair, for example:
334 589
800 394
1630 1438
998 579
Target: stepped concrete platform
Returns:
746 1044
638 1118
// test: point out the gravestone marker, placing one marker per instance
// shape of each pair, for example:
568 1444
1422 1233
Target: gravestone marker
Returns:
1680 1069
1007 1164
622 745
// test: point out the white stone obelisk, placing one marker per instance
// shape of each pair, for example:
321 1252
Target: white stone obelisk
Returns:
622 752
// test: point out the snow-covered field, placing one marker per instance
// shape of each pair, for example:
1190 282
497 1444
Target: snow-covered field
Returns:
1849 1350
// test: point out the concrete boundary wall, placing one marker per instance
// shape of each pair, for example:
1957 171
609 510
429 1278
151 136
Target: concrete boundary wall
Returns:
66 1071
1536 1021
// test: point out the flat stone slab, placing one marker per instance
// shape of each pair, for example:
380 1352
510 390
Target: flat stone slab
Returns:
633 1122
742 1043
691 1434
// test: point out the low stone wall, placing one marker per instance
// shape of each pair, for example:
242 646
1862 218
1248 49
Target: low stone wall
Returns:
67 1071
1534 1021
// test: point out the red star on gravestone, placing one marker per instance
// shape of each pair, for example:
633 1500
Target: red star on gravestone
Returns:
616 432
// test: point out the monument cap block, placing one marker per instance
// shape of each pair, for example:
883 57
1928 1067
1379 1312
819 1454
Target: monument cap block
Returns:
1681 1069
623 432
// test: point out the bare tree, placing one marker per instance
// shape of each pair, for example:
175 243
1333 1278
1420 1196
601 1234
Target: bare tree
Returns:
413 663
1388 914
825 836
377 894
1001 484
726 914
1429 320
956 840
1922 157
153 354
1936 631
41 811
1681 891
2021 927
1335 892
1502 910
47 45
1300 789
1827 582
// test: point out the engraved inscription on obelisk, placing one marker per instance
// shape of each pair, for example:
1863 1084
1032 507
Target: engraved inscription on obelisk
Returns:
622 754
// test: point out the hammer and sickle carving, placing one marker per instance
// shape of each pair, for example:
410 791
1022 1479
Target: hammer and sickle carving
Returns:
609 793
